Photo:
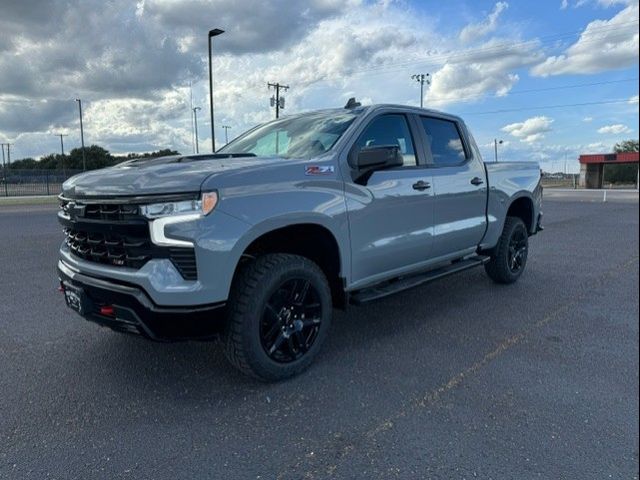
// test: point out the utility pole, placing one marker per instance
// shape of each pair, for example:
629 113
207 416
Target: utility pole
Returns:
2 145
61 142
496 142
195 122
84 157
226 133
277 101
421 78
8 145
64 170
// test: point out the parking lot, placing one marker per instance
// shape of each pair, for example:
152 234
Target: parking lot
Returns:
460 378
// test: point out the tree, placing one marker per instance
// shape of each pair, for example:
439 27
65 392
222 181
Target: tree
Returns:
626 146
97 157
625 173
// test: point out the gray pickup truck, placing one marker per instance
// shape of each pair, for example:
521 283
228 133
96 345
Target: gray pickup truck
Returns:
257 243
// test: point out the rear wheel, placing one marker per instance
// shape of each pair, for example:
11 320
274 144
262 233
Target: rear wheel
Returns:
279 314
509 258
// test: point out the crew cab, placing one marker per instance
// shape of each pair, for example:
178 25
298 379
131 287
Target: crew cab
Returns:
257 243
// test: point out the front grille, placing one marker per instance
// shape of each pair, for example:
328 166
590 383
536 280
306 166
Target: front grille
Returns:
109 248
117 235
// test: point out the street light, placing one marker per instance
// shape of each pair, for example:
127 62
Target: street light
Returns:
212 33
84 158
195 123
496 142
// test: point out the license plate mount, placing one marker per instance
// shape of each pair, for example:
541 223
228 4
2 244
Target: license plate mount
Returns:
76 299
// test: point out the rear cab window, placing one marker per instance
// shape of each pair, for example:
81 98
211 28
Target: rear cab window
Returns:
443 141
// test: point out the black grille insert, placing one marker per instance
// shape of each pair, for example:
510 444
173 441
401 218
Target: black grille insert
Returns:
118 235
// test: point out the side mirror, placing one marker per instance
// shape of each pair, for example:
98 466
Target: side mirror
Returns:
378 157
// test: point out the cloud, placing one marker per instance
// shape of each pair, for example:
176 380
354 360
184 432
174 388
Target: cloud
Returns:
531 130
475 31
603 45
251 26
587 119
41 115
564 5
596 147
615 129
634 100
490 68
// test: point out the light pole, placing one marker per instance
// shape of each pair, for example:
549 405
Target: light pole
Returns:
226 133
496 142
212 33
421 78
84 157
195 123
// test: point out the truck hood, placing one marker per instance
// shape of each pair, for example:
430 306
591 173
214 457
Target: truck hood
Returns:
164 175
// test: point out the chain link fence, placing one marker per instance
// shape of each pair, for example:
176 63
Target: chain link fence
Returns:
16 183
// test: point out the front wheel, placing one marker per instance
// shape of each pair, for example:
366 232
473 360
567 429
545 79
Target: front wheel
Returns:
509 258
279 315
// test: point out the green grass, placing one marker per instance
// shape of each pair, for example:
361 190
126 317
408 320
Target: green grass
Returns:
50 200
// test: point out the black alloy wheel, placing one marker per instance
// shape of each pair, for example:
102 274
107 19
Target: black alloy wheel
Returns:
291 320
518 246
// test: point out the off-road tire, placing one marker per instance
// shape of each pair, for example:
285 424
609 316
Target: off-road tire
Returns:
499 267
252 288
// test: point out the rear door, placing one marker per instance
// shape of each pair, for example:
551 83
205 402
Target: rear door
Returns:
459 187
391 213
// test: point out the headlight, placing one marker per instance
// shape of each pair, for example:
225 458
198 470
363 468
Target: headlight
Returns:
203 206
168 213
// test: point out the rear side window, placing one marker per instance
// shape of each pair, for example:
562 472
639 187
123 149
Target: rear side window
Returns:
390 130
444 140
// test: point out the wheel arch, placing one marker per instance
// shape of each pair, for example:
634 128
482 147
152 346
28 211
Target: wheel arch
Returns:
522 207
309 239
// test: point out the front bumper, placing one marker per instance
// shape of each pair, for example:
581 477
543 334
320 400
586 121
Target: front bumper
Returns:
127 308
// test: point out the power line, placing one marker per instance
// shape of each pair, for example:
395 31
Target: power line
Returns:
533 90
542 107
498 48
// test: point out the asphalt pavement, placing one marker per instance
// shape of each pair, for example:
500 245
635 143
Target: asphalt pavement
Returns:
460 378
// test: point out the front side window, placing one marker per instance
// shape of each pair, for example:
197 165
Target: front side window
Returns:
304 136
444 141
387 130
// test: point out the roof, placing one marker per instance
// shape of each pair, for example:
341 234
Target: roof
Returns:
627 157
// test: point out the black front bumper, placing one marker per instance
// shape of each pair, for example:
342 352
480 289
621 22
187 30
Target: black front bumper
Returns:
127 308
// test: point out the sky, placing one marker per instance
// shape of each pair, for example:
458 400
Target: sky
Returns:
551 78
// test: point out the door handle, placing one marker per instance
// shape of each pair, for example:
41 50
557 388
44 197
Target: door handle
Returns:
477 181
421 185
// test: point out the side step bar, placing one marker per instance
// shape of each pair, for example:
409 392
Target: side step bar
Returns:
404 283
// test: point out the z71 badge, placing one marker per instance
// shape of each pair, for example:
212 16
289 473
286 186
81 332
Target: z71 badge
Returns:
319 169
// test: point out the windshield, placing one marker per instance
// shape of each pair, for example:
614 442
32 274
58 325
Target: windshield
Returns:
305 136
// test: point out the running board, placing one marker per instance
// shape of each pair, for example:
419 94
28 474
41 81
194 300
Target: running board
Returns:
404 283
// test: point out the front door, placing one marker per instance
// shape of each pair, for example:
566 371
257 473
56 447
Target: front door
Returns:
391 215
